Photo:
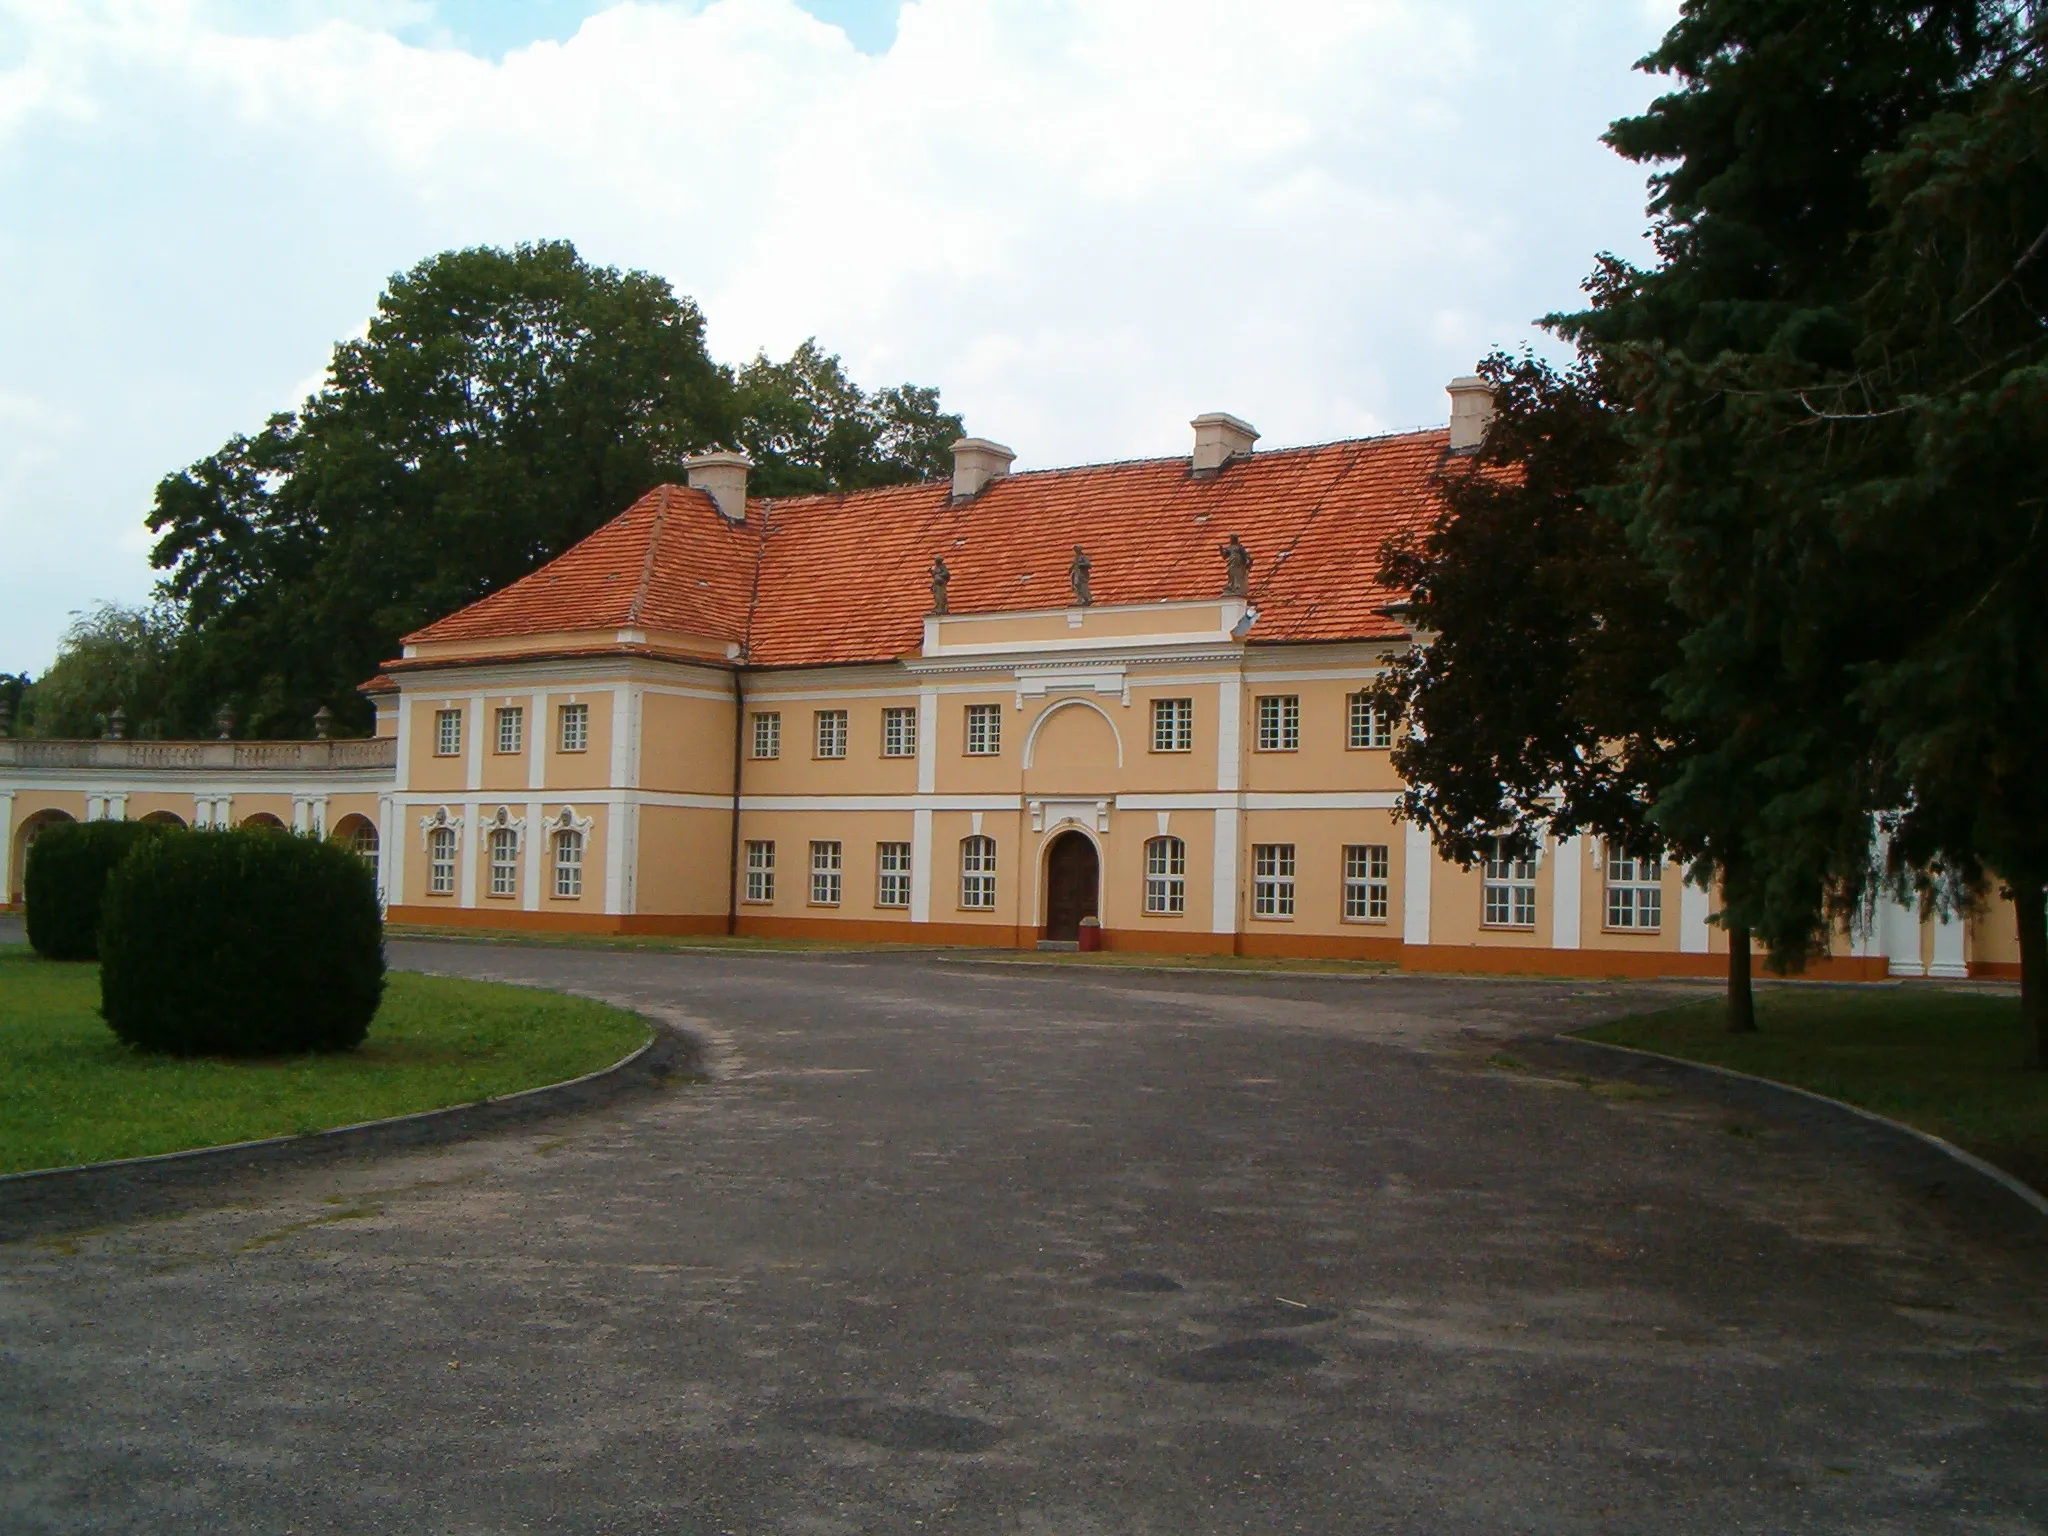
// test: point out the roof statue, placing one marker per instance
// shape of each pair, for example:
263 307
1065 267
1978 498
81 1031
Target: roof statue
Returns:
1237 569
1077 573
940 576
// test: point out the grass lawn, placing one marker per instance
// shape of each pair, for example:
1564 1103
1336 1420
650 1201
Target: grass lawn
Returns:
1947 1062
72 1093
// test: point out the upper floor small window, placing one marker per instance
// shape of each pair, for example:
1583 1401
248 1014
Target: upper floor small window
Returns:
511 728
1635 892
1510 887
1280 722
768 734
899 733
1369 725
831 731
1173 725
575 728
984 730
447 733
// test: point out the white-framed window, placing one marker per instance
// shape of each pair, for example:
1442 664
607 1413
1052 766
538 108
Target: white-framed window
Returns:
441 861
575 735
1272 879
825 872
892 878
899 733
511 728
447 733
760 871
1166 877
504 862
768 733
831 732
568 864
978 874
1279 722
1635 893
1173 725
1510 888
1365 882
362 842
1368 726
984 730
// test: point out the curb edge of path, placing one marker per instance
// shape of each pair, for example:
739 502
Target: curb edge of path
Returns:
1996 1175
44 1200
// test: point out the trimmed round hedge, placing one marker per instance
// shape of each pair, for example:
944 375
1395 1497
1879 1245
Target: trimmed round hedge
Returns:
66 880
241 944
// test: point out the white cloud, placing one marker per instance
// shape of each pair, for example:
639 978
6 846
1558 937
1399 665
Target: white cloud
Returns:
1085 220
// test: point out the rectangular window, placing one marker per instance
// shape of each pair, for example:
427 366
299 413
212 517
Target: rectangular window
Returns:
1279 722
1365 882
984 730
568 866
1272 879
768 734
1369 726
825 874
441 861
575 727
1166 877
1173 725
447 733
892 886
1510 888
899 733
1635 893
504 862
511 729
831 732
978 874
760 871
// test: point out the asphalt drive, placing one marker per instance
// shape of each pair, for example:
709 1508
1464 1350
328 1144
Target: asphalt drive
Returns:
981 1248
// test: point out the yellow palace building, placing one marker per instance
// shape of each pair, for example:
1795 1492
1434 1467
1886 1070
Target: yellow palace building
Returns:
978 712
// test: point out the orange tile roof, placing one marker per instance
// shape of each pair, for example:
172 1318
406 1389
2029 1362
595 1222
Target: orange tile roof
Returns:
815 580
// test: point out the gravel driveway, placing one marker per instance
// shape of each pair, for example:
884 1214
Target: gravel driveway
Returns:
981 1248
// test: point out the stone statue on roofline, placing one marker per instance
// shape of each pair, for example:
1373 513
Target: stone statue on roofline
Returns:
1077 573
940 576
1237 569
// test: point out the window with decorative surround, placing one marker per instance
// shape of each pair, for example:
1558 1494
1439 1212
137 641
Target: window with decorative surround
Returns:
831 732
511 729
892 882
760 871
441 861
825 871
575 735
1635 893
1272 879
447 733
978 874
768 734
1365 882
1510 888
568 865
1173 725
984 730
899 733
1369 727
1166 877
504 862
1279 722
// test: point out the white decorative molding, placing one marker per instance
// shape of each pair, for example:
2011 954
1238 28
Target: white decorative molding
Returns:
1165 821
1051 814
1037 682
566 820
441 818
502 820
1031 739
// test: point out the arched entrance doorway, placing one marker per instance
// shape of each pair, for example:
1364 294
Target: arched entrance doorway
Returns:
1073 884
24 838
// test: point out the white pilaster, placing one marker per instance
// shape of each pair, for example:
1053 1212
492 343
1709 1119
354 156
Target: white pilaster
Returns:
1418 860
1694 903
536 840
537 743
921 837
1223 883
1229 741
390 847
301 813
469 850
318 815
617 837
1898 925
927 765
117 806
95 807
404 744
475 753
6 846
1567 874
1951 958
625 730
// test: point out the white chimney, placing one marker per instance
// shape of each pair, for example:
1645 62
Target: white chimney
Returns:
1219 438
1471 411
977 461
723 477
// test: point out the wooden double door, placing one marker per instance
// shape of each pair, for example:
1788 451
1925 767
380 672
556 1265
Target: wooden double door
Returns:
1073 885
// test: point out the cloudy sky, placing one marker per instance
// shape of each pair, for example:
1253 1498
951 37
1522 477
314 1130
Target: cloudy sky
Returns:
1085 221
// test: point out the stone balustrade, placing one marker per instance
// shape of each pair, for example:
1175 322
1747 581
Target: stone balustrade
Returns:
363 753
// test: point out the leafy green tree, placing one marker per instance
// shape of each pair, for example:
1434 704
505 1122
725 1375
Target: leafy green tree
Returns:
111 658
14 690
808 427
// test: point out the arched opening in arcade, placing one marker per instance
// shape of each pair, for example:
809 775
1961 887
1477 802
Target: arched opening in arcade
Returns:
25 836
